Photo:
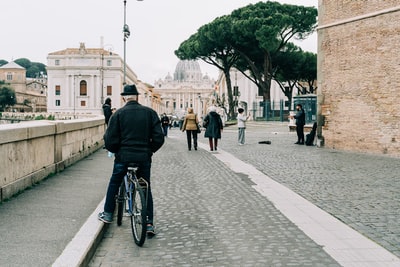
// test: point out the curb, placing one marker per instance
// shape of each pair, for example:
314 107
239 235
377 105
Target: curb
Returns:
82 247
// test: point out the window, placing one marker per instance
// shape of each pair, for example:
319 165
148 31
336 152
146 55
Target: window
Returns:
83 88
9 76
57 62
83 103
109 62
109 90
58 90
58 103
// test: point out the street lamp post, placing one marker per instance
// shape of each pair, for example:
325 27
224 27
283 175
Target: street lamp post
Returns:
127 33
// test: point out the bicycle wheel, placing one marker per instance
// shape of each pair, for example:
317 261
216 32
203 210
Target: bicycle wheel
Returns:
138 218
121 204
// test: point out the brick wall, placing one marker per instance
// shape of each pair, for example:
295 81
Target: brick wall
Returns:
359 75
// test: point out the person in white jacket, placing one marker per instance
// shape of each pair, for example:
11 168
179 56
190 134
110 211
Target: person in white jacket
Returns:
241 119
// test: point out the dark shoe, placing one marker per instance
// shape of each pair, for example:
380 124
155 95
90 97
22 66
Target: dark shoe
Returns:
150 230
297 143
215 148
105 217
301 143
195 148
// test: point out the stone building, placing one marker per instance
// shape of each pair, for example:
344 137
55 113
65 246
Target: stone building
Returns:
187 88
80 79
30 93
359 75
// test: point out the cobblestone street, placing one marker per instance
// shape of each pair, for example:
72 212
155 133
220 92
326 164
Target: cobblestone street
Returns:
208 215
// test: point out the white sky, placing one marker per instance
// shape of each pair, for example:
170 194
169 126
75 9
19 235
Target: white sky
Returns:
33 28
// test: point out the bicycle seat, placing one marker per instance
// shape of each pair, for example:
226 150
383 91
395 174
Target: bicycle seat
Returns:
132 167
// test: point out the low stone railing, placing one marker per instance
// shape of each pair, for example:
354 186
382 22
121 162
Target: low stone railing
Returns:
31 151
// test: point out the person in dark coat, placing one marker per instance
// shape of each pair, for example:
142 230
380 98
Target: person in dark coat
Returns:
134 133
300 122
214 127
165 123
107 111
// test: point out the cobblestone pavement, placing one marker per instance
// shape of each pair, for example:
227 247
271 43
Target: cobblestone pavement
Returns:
208 215
362 190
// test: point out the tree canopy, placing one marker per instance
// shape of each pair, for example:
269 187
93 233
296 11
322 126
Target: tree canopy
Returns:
248 40
33 69
7 96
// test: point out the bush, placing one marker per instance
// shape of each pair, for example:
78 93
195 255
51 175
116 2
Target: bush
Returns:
51 117
40 117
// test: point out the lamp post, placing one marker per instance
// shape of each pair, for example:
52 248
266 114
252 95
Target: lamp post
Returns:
79 77
127 33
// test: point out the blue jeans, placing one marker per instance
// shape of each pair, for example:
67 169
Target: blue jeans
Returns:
241 135
116 179
165 129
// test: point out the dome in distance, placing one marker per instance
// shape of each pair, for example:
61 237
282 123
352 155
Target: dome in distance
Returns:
187 70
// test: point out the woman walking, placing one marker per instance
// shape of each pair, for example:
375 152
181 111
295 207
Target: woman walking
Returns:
190 125
214 127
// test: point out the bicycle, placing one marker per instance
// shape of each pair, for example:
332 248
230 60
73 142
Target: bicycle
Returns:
132 200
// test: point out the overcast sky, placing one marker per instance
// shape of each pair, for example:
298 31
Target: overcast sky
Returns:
34 28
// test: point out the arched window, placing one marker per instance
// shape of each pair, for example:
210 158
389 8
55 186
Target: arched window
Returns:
83 88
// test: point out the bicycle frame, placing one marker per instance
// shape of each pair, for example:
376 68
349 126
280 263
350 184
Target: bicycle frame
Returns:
131 190
131 181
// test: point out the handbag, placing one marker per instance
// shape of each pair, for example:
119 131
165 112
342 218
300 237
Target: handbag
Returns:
198 129
198 125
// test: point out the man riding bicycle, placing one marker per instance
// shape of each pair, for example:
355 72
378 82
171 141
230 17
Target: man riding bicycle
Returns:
134 133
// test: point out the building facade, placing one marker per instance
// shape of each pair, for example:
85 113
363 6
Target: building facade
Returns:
30 93
188 87
80 79
358 75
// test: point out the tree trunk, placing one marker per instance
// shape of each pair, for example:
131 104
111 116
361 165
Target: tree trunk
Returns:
231 104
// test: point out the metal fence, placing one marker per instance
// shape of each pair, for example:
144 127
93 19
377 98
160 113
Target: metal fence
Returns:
270 111
279 110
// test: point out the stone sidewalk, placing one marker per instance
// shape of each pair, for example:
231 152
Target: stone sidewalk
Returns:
226 209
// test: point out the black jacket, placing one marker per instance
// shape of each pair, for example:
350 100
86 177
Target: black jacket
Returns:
134 133
165 120
107 112
300 117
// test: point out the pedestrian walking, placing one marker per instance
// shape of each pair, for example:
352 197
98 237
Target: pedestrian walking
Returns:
165 123
190 125
214 127
107 111
241 119
300 117
134 133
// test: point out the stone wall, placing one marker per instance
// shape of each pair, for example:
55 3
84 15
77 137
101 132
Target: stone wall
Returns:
31 151
358 75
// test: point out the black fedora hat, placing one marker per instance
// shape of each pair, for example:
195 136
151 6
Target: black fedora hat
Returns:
130 89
